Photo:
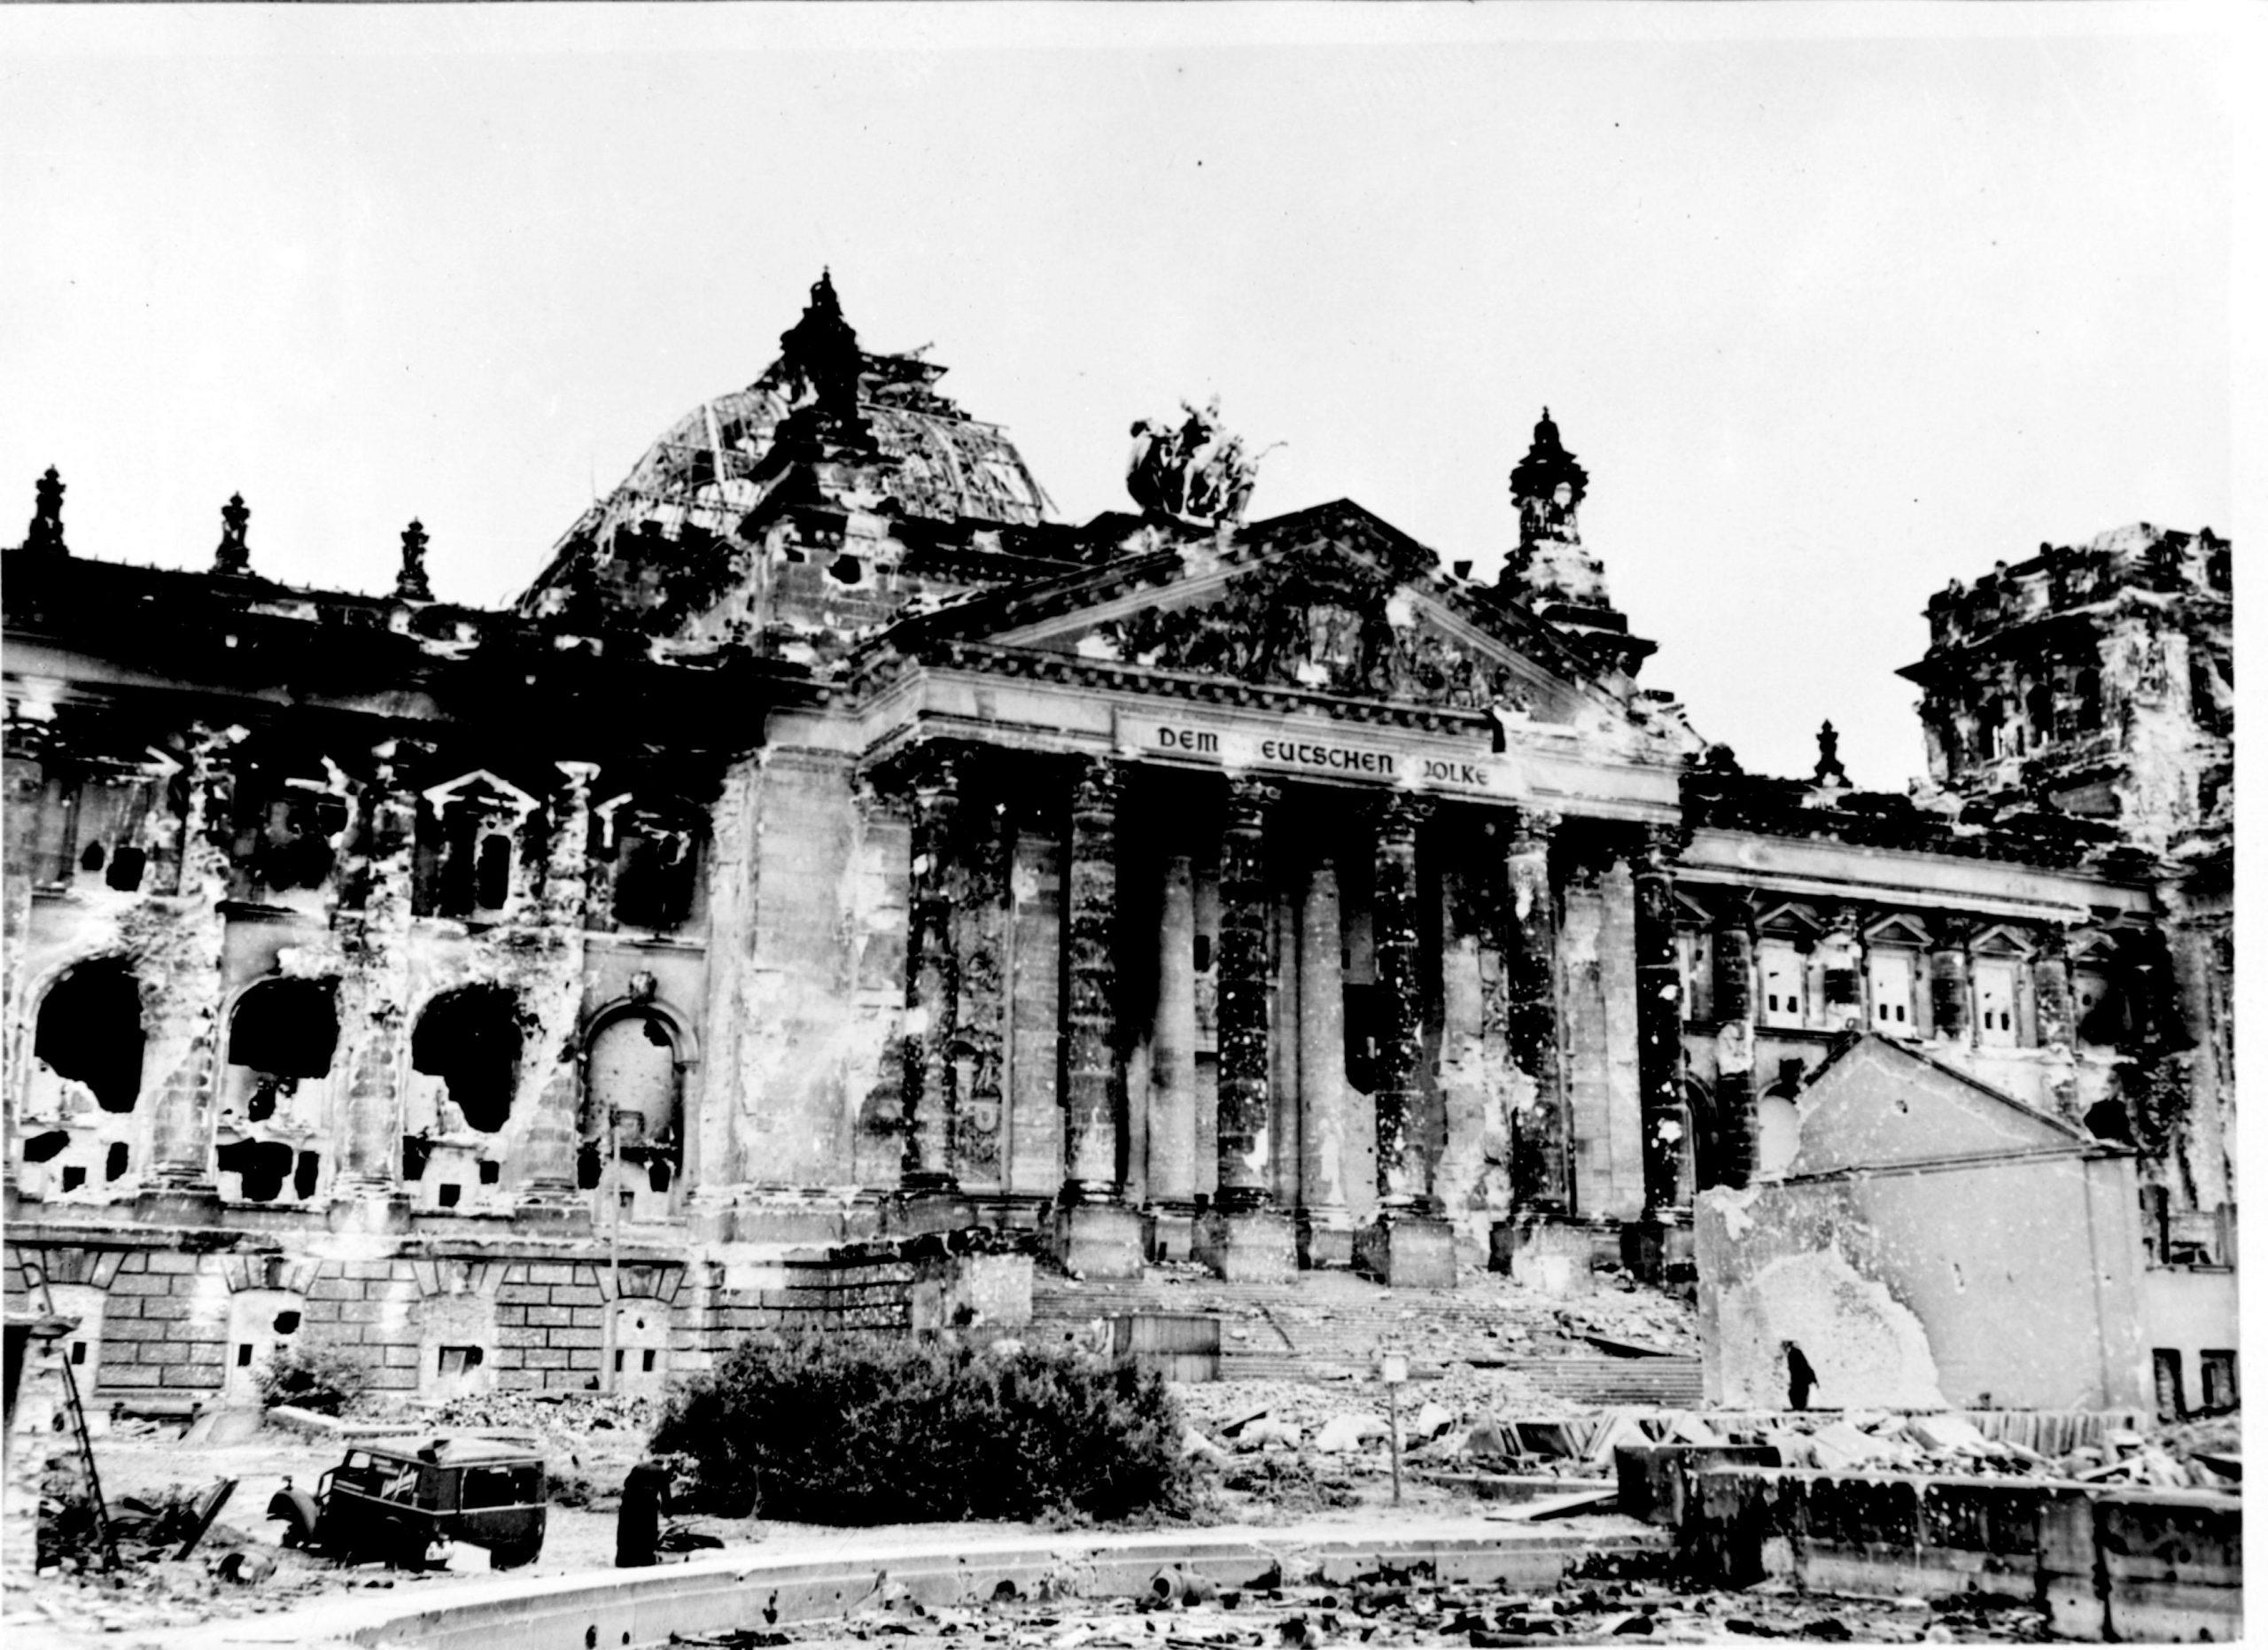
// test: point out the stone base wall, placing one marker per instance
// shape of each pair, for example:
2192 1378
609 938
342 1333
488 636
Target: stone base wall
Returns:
435 1323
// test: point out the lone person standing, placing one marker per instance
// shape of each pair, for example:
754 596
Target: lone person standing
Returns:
1801 1379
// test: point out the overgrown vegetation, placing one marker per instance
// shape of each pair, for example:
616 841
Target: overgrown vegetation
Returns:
862 1429
324 1379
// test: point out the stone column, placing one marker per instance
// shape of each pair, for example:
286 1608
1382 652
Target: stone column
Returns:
1095 1232
1326 1234
1950 1011
1173 1064
1660 1024
1241 1137
182 1011
932 976
1407 1245
548 1165
1532 1015
1244 1237
1732 1000
1401 1172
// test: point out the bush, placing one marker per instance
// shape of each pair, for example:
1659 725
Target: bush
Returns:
859 1429
324 1379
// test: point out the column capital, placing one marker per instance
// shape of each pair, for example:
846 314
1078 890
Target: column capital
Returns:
1400 812
1530 828
1738 917
1658 845
1250 800
1097 781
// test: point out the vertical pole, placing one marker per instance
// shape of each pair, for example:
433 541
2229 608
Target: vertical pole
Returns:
611 1181
1393 1427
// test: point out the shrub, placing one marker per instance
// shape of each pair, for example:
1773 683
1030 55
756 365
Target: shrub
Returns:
858 1429
324 1379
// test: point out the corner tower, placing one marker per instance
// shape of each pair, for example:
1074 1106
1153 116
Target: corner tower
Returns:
1549 570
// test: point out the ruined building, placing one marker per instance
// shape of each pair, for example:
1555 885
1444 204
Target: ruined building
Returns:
836 880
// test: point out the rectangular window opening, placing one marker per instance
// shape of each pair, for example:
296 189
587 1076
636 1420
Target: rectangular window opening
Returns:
647 1365
243 1354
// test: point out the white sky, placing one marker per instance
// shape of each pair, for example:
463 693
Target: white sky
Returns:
1834 305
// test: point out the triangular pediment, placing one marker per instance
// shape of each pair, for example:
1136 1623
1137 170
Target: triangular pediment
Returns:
1898 930
1877 1104
1790 922
1329 602
2000 941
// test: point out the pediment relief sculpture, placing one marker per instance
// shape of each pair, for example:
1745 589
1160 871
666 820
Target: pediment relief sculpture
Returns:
1298 627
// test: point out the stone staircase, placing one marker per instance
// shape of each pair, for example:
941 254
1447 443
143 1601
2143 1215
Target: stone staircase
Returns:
1327 1325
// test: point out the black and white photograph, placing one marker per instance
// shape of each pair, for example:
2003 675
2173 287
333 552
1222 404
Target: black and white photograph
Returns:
1123 826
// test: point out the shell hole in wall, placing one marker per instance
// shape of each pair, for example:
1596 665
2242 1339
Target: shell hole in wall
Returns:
470 1040
90 1031
259 1167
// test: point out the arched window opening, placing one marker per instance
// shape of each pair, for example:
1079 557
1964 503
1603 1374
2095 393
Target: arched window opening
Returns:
653 878
293 848
284 1031
470 1040
2039 709
635 1088
90 1031
646 856
2098 1012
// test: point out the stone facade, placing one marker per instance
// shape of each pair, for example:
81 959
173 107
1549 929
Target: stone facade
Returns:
836 882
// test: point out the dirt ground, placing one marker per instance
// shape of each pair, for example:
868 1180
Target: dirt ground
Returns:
1264 1485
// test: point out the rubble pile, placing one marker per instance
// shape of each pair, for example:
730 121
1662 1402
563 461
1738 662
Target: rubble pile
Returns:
1610 1600
2198 1455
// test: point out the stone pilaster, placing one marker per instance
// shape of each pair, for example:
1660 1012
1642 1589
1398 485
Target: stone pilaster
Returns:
932 974
1661 1043
985 851
1532 1015
549 1159
2051 996
1096 1233
187 983
1325 1224
1843 955
1732 1002
375 989
1244 1237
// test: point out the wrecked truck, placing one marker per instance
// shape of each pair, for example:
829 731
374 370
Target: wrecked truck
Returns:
410 1504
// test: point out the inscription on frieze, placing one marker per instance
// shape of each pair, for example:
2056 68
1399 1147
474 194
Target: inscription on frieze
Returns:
1261 749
